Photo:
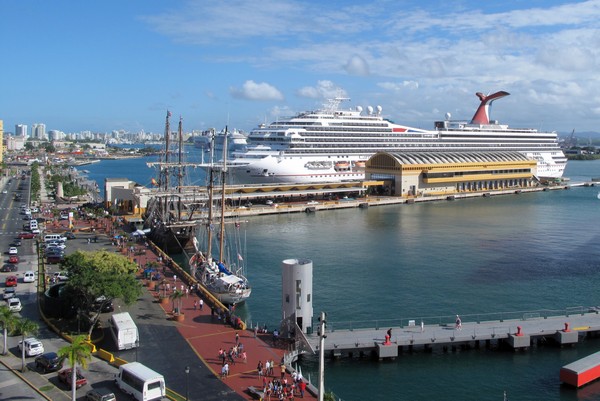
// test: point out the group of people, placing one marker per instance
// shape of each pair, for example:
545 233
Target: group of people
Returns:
281 388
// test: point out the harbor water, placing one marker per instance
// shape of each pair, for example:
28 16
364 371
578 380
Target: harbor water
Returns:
375 266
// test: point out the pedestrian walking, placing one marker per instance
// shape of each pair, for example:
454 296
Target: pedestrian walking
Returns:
282 371
268 367
458 323
201 303
195 304
259 369
244 357
237 338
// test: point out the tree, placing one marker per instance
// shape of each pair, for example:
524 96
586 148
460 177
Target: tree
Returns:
78 353
8 321
99 275
25 327
177 298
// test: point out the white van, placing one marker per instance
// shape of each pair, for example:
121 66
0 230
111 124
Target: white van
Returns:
54 237
33 224
141 382
124 331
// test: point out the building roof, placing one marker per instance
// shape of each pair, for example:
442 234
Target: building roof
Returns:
433 157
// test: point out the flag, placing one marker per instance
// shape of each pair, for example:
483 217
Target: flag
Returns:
240 257
169 113
154 182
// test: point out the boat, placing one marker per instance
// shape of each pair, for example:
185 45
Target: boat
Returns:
310 147
226 281
167 219
213 140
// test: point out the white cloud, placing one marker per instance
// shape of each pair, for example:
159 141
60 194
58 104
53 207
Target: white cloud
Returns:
357 65
256 91
323 90
399 86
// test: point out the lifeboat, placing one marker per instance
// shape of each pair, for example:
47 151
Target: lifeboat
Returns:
340 166
359 164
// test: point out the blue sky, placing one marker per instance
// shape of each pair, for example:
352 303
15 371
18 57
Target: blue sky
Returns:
109 65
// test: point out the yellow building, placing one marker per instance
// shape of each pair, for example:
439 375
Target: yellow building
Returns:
449 173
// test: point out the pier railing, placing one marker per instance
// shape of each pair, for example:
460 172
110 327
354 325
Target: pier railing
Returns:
447 320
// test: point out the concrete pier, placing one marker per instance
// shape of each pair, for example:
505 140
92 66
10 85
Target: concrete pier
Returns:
518 334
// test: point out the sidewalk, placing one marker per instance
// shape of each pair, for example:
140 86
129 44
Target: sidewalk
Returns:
38 383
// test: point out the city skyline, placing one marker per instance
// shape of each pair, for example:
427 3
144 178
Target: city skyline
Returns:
120 66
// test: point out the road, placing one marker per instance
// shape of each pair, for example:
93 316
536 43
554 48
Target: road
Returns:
99 373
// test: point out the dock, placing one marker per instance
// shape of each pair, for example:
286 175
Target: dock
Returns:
516 333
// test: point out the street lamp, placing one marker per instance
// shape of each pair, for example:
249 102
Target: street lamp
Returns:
187 383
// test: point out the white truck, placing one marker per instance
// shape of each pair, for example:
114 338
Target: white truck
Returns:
124 331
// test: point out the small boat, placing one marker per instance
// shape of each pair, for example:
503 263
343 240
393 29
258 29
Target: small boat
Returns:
342 166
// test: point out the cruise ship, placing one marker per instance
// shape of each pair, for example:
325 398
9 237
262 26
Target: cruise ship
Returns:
332 144
236 141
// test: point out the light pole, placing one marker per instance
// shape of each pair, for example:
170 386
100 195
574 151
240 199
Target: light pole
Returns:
187 383
322 337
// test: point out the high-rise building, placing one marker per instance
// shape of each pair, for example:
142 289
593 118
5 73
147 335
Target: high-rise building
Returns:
38 131
21 130
1 141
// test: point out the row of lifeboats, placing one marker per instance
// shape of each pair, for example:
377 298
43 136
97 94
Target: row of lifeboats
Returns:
345 165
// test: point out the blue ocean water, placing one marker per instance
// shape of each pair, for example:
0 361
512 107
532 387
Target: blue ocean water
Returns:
486 255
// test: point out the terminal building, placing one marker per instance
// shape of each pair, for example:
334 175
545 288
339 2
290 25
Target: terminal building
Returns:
421 174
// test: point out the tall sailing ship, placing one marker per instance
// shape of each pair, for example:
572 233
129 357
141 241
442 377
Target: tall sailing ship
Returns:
332 144
224 277
169 218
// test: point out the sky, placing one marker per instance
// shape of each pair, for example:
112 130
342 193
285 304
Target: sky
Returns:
120 65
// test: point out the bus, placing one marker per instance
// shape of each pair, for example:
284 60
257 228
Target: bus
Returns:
141 382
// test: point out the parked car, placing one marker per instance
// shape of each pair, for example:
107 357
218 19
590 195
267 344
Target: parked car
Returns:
33 346
65 376
48 362
29 276
69 235
11 281
100 394
13 250
13 259
8 267
16 242
9 293
64 216
103 305
61 276
14 304
25 235
53 259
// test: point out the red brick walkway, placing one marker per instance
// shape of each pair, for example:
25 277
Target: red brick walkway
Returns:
206 334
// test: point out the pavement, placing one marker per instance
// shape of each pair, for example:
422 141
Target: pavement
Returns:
166 345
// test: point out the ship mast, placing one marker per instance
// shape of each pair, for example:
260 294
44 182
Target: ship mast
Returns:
164 172
223 175
180 168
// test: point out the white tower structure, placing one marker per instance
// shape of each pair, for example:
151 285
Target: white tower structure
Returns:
297 292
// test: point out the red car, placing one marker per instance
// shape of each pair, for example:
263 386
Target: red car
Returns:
11 281
25 235
13 259
66 376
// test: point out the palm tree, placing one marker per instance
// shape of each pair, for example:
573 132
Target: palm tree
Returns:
176 297
78 353
25 327
7 321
